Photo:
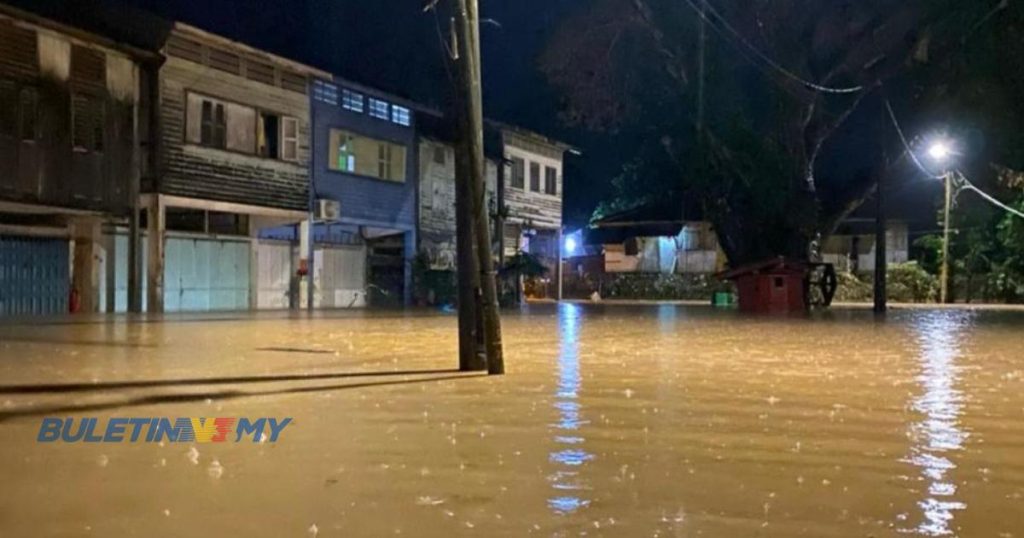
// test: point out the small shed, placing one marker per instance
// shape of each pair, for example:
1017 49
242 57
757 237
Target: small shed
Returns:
778 285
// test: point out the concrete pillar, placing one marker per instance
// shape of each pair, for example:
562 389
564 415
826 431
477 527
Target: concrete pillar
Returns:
558 270
156 227
87 263
409 239
110 250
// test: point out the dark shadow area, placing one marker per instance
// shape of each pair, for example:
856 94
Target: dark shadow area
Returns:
296 350
88 387
159 399
77 343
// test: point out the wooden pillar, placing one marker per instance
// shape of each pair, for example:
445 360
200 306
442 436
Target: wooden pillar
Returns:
157 227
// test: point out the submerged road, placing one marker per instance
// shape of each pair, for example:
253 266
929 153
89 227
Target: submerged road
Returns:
664 420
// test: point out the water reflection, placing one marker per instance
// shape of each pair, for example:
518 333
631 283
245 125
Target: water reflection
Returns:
570 455
938 435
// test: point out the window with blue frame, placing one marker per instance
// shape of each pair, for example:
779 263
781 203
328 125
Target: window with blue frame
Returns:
400 115
353 101
379 109
325 92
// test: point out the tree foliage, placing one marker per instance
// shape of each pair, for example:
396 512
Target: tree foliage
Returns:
630 67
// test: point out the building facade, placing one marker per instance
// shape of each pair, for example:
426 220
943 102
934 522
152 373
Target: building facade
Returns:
437 150
69 154
231 129
364 177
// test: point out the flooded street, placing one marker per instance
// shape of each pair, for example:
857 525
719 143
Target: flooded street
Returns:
612 421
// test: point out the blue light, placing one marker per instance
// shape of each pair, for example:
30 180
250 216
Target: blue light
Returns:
570 245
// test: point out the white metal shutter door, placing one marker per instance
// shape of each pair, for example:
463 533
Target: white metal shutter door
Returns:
274 273
339 277
206 275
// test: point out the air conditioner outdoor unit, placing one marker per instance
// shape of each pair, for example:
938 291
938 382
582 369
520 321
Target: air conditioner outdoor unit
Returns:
327 210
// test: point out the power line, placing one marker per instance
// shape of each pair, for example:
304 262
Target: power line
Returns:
707 8
906 144
966 184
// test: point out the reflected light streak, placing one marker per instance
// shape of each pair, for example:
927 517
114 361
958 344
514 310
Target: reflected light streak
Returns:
938 435
572 457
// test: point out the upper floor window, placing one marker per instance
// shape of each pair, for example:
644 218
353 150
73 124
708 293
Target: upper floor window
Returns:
19 111
550 180
278 137
535 177
229 126
518 173
400 115
325 92
87 119
440 156
213 124
379 109
366 156
353 101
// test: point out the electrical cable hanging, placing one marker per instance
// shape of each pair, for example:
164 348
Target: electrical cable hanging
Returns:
966 184
906 144
761 55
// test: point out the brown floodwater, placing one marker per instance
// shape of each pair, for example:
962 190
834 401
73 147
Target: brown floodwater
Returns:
612 421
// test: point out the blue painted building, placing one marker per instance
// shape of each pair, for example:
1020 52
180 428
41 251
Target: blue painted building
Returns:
364 188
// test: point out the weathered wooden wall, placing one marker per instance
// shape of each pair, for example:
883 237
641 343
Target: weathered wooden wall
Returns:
222 175
39 160
437 202
538 209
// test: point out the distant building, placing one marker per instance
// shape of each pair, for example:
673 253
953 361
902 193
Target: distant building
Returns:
655 239
524 191
852 247
437 188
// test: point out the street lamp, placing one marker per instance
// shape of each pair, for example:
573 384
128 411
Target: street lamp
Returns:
941 152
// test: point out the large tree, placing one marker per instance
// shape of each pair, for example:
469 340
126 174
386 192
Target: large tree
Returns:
788 85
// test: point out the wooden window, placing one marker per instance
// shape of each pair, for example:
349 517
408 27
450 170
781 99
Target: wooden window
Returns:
8 108
18 50
87 121
260 72
223 60
218 124
289 139
268 135
518 173
185 48
213 125
550 180
88 68
293 82
367 156
29 109
535 177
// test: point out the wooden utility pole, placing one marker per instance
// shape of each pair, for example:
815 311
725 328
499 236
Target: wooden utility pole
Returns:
944 275
472 355
468 90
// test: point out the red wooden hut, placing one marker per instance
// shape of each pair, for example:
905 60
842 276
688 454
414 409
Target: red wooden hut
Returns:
778 285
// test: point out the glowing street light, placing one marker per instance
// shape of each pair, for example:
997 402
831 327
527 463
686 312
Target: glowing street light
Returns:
940 151
570 245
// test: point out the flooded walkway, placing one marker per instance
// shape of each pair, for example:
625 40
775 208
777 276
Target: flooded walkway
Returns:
612 421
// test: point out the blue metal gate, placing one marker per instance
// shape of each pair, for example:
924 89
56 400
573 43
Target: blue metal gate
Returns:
35 276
